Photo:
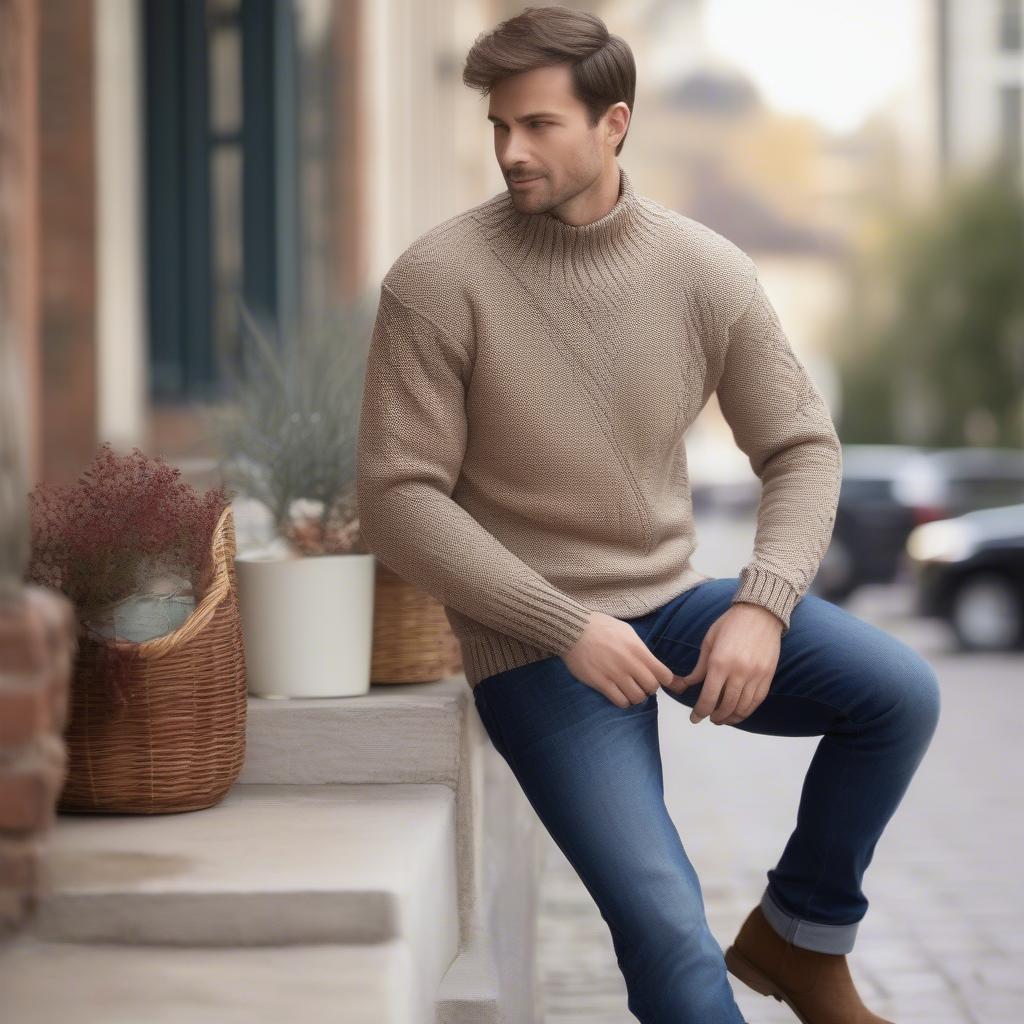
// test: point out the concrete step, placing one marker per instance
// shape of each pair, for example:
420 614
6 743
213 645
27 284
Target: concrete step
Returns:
45 982
470 992
269 865
429 733
365 836
397 732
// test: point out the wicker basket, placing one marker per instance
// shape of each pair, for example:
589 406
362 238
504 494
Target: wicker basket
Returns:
159 726
412 640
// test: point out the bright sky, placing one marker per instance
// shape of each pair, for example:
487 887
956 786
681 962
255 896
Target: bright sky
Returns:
835 60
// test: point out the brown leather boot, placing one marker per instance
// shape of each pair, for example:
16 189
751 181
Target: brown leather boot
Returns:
817 987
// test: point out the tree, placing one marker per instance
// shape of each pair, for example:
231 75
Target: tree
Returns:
933 350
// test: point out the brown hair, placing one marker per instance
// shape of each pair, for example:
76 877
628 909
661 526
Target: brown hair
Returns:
603 69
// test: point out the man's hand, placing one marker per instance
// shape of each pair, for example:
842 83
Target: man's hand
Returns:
737 664
611 658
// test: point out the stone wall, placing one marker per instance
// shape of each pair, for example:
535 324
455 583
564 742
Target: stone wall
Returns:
37 626
37 646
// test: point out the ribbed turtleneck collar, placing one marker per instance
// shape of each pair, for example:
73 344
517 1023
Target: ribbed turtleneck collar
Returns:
545 243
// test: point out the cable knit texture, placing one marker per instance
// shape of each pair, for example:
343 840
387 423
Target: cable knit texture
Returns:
528 387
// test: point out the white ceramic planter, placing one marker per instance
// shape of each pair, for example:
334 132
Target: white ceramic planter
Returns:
307 624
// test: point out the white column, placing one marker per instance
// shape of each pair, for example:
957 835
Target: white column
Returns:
121 329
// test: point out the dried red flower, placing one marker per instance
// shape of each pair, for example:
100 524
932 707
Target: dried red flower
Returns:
128 520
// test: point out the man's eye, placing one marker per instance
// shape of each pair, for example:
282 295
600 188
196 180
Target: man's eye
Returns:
532 123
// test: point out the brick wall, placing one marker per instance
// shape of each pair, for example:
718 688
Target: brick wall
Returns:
37 627
67 237
37 647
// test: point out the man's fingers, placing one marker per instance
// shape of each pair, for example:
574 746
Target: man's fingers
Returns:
727 705
735 697
636 693
616 696
660 673
760 694
748 703
748 700
649 677
678 684
708 699
695 675
627 691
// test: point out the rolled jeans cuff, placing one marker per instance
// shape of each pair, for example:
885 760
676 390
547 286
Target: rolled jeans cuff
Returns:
824 938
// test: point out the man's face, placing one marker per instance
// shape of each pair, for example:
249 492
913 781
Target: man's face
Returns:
541 133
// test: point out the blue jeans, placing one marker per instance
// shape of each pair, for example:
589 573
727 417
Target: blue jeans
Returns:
593 773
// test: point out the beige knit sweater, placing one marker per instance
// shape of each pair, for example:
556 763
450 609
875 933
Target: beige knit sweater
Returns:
528 387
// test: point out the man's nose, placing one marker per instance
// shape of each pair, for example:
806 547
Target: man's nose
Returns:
514 158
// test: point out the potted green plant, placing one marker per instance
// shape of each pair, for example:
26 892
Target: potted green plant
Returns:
287 438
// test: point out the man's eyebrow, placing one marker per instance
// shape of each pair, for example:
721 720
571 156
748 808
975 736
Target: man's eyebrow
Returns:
526 117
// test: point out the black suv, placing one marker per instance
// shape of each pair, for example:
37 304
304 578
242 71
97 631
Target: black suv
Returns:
889 490
969 570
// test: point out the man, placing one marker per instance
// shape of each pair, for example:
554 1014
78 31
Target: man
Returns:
534 365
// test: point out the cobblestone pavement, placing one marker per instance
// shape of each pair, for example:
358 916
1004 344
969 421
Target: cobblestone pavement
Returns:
943 940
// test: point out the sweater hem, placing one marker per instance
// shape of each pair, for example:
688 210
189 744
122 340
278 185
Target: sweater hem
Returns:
487 652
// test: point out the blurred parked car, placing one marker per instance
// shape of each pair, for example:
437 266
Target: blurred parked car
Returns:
888 490
969 570
733 498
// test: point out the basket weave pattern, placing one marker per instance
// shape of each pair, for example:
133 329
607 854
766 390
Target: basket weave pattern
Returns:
412 640
159 726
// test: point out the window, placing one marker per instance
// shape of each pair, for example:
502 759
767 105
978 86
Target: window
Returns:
219 182
246 107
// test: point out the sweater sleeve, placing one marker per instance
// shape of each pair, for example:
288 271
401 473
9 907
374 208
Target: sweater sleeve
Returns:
781 422
411 441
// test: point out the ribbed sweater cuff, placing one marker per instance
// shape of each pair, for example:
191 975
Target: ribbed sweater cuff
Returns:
762 587
550 619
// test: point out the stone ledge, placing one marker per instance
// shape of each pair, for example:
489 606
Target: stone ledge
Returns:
269 865
57 982
396 733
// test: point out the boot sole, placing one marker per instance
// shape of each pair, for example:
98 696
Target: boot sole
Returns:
739 966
